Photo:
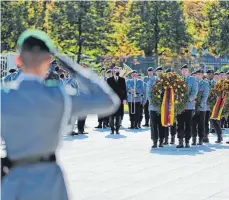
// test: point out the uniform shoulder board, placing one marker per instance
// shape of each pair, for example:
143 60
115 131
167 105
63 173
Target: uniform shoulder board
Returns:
12 85
51 83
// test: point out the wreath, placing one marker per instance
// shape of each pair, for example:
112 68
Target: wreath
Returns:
220 87
170 80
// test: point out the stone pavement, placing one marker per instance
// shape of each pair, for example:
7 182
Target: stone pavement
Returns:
99 166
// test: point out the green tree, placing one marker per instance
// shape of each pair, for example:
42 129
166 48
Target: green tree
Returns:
217 14
157 27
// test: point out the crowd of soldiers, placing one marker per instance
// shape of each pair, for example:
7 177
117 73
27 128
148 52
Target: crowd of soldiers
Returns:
133 90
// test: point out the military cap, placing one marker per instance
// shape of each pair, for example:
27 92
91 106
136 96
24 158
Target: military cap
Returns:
210 71
102 69
199 71
116 67
12 71
185 66
150 69
33 38
193 73
134 71
108 71
158 68
227 72
168 70
222 72
216 73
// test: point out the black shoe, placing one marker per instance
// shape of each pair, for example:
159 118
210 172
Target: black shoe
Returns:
83 133
117 133
161 143
112 132
131 127
200 141
73 133
212 131
166 142
219 140
154 145
136 127
146 125
227 142
194 141
187 145
99 126
206 139
180 145
172 140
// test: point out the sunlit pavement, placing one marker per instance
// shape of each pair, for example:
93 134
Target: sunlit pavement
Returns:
99 166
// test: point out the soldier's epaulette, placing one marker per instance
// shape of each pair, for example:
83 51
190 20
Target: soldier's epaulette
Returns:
12 85
52 83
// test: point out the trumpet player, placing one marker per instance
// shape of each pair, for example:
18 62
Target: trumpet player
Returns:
135 91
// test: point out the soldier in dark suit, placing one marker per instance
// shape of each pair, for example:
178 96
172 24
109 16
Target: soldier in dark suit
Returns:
118 84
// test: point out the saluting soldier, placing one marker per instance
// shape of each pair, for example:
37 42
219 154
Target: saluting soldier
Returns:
135 90
198 121
146 105
184 120
157 130
41 112
211 83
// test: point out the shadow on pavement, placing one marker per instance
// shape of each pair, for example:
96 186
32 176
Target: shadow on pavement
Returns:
115 136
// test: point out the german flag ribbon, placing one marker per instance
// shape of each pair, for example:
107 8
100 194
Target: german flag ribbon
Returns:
168 108
218 107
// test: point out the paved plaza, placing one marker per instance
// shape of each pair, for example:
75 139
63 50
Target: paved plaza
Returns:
99 166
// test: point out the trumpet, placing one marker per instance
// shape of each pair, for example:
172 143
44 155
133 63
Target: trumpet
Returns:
132 99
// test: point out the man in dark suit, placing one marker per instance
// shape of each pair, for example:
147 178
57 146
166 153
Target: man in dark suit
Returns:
118 84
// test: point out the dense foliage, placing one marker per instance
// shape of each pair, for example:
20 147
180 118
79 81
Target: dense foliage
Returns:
121 28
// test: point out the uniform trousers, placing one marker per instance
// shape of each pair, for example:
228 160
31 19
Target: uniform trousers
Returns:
217 126
171 129
207 120
198 124
134 112
157 130
81 124
146 112
184 125
115 122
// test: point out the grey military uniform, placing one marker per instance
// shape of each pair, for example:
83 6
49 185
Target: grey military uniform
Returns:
33 116
203 89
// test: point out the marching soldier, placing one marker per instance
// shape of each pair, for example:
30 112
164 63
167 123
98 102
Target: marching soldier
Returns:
211 83
198 121
42 112
146 106
135 90
184 120
157 130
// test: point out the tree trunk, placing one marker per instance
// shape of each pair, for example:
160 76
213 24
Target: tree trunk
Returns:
79 41
156 36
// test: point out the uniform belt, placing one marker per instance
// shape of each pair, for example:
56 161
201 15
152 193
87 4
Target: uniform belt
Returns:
34 160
